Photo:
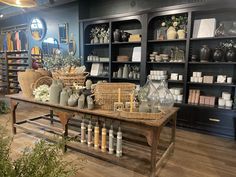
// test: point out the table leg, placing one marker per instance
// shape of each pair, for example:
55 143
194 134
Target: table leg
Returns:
64 118
156 131
14 105
173 131
51 116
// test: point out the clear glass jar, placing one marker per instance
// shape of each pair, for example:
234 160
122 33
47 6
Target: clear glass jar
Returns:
166 99
148 96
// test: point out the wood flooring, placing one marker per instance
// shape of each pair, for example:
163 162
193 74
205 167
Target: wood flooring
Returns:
196 155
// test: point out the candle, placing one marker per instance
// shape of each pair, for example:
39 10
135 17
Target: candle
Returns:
119 143
83 132
104 140
119 95
131 102
90 134
96 136
111 141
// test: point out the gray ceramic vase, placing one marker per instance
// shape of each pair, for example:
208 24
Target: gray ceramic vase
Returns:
64 98
54 93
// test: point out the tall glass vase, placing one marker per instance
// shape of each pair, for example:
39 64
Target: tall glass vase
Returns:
166 99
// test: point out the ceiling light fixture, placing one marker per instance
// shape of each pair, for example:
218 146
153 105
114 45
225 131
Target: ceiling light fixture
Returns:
1 15
20 3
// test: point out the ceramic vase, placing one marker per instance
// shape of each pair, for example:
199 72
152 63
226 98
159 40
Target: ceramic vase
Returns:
26 80
90 102
230 54
95 40
88 84
116 35
81 101
54 92
64 98
106 39
125 72
218 55
181 34
171 33
92 41
101 40
60 83
120 73
205 53
124 36
72 100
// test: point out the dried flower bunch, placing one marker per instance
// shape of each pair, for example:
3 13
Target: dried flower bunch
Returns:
100 32
177 21
59 61
41 93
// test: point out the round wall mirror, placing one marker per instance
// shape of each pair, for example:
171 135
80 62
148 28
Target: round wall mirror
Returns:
37 29
36 57
49 46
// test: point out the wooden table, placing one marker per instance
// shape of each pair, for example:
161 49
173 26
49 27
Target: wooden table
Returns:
142 148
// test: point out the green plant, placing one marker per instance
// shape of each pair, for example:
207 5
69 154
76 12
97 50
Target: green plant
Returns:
177 21
3 107
44 160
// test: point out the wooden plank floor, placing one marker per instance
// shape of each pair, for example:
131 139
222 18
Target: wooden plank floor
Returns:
196 155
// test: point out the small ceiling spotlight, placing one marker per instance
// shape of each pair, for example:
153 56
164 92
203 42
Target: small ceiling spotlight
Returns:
1 15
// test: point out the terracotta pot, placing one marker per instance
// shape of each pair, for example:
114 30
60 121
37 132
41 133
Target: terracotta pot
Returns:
171 33
26 80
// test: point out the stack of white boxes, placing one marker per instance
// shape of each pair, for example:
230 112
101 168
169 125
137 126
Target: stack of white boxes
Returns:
158 74
177 94
225 100
196 77
176 76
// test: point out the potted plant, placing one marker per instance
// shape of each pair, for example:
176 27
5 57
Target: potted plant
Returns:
176 26
4 109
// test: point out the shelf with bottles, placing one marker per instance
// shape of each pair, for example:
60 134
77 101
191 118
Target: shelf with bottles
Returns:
126 72
97 59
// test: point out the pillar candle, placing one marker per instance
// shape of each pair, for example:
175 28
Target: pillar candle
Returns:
104 140
119 95
83 132
90 134
111 141
131 102
119 143
96 136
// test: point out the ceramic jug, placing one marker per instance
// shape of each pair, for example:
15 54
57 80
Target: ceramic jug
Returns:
54 92
181 34
81 101
26 80
230 54
218 55
120 72
90 102
64 98
60 83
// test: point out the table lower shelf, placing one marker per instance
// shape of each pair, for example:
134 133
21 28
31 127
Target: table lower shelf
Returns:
135 157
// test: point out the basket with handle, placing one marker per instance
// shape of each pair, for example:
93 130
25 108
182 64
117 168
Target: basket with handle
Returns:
69 79
106 94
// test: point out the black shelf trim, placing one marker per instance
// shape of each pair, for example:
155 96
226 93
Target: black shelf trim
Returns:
149 62
120 43
171 40
212 63
126 62
98 44
213 38
125 79
213 84
97 61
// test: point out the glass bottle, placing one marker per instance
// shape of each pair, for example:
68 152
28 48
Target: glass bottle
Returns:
166 99
146 96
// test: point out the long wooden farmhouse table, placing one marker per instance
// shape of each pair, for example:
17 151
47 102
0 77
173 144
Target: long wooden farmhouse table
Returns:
144 150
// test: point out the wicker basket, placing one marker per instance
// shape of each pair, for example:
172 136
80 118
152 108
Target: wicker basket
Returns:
106 94
45 80
69 79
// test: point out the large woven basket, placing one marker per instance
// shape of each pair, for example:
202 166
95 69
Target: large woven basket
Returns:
69 79
106 94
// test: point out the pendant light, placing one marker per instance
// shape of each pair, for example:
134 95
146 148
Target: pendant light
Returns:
20 3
